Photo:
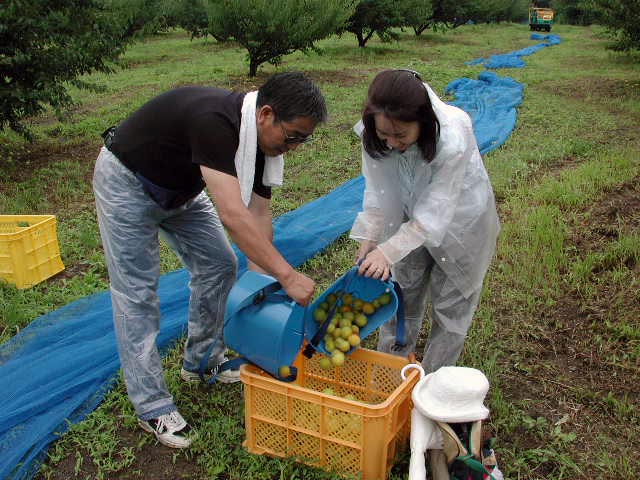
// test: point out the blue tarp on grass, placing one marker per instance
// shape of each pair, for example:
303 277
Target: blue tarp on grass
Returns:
514 59
58 369
491 103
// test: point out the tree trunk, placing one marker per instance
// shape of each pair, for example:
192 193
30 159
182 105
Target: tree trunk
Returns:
363 39
366 39
253 66
419 29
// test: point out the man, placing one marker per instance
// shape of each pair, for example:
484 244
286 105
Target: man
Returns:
149 180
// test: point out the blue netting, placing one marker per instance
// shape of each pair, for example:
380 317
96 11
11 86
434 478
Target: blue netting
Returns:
513 59
58 369
491 103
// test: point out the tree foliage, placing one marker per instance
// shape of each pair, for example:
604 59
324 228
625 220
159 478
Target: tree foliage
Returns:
418 15
622 18
45 46
445 14
517 11
191 15
375 17
575 12
151 17
271 29
489 11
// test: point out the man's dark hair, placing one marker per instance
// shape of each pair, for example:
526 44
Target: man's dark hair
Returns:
292 95
400 95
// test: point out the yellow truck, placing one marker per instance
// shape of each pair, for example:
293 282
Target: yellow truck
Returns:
540 19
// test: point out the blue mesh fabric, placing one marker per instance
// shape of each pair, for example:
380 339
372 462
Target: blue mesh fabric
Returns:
58 369
491 103
513 59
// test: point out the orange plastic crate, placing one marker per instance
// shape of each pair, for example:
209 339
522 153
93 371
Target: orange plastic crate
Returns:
29 251
348 437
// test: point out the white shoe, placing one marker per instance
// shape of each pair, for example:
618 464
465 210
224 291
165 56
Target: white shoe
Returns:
171 429
228 376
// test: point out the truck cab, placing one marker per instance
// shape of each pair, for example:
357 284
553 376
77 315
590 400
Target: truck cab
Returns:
540 19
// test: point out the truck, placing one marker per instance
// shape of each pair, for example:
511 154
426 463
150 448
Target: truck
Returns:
540 18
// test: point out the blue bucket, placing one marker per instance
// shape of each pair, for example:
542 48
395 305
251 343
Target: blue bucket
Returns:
262 323
367 289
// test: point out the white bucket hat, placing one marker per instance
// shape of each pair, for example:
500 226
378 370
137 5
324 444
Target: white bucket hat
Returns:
452 394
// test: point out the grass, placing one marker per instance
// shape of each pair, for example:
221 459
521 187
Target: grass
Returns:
557 331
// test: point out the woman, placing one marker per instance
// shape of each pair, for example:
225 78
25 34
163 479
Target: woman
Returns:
429 215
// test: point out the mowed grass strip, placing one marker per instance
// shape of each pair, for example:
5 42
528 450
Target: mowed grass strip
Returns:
557 331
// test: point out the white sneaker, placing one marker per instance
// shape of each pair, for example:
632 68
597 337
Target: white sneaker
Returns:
171 429
190 377
228 376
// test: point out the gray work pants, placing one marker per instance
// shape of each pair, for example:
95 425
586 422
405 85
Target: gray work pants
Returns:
130 222
421 279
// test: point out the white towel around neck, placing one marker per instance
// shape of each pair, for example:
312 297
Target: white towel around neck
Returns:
245 159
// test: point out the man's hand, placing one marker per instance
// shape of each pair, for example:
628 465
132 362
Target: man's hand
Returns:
299 287
375 265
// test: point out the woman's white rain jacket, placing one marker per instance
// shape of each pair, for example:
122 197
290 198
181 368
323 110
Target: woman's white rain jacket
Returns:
450 209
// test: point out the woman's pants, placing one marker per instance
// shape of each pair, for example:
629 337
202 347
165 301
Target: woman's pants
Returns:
421 279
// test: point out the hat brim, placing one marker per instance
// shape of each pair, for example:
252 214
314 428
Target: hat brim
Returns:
428 407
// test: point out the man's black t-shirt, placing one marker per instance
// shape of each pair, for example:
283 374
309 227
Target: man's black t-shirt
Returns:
170 136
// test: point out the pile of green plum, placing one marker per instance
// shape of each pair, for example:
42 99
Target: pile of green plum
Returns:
343 331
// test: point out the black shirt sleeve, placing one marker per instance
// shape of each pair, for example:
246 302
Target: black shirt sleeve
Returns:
214 143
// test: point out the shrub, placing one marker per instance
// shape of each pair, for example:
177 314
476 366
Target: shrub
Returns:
271 29
375 17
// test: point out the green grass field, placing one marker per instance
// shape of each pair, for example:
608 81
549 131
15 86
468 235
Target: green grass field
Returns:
558 328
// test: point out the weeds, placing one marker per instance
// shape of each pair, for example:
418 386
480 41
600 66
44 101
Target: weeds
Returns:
557 328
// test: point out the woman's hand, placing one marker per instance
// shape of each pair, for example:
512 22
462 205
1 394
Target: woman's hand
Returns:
365 247
375 265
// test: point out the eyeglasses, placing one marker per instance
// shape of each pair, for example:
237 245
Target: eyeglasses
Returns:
294 139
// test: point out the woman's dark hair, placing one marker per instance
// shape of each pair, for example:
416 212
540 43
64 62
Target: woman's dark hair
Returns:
292 95
400 95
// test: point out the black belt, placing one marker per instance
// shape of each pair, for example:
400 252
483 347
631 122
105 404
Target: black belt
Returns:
108 135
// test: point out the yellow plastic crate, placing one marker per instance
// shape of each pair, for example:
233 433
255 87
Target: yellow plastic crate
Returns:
349 437
29 251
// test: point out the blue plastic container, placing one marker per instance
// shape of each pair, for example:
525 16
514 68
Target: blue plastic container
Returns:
367 289
262 323
267 327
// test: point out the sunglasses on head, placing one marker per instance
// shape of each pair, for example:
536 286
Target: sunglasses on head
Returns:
412 72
